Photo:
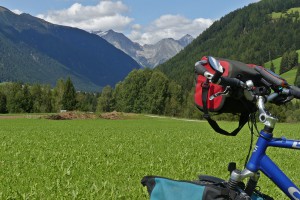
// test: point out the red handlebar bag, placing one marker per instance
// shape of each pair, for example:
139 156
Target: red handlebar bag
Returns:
234 102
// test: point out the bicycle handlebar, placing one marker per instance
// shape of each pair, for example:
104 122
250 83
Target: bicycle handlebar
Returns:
271 77
199 68
295 91
232 82
289 90
220 80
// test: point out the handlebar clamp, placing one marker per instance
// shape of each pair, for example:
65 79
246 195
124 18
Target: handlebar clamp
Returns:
264 116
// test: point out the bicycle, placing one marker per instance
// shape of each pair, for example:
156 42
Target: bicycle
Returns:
253 92
259 161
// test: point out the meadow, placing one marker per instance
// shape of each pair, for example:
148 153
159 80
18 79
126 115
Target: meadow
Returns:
106 159
277 15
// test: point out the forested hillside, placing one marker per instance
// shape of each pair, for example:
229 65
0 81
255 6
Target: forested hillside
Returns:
251 34
287 66
35 51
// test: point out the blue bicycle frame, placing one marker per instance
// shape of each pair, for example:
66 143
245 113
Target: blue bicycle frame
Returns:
260 161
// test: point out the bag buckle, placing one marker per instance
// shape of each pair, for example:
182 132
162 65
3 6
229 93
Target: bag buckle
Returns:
206 116
205 84
224 93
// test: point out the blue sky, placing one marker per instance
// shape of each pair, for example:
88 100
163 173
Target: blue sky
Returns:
144 21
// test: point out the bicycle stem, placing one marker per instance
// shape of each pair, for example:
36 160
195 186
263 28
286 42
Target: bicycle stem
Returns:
264 116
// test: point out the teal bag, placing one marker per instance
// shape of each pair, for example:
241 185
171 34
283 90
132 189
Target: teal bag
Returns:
176 190
160 188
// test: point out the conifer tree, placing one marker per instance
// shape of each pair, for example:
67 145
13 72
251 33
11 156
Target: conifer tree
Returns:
292 60
26 101
295 59
284 63
3 108
272 68
297 79
69 96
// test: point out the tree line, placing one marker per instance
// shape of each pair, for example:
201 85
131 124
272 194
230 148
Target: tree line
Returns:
147 91
289 60
142 91
16 97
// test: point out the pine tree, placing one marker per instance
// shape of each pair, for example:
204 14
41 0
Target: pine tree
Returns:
297 79
3 108
284 63
69 96
272 68
295 59
292 60
27 101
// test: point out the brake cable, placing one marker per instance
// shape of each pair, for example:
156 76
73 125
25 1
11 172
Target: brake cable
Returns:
252 123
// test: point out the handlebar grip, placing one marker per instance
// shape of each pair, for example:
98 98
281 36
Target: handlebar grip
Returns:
295 91
216 77
271 77
199 68
233 82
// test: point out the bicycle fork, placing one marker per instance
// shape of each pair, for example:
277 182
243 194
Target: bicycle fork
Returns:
238 176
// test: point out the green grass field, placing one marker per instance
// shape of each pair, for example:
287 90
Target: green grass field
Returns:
106 159
276 15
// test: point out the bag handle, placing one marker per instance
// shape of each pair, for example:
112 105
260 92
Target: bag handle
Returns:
243 118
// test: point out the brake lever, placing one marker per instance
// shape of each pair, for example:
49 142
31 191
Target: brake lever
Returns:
280 98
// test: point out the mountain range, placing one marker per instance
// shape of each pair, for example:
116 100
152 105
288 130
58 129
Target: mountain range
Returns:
149 55
35 51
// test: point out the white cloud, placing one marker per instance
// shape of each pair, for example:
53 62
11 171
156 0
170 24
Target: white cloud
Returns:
174 26
108 14
103 16
136 27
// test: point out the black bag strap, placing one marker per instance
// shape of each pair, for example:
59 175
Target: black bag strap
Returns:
243 117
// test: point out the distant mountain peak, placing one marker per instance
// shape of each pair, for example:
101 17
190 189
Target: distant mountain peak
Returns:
112 31
100 33
188 36
109 32
148 55
186 40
